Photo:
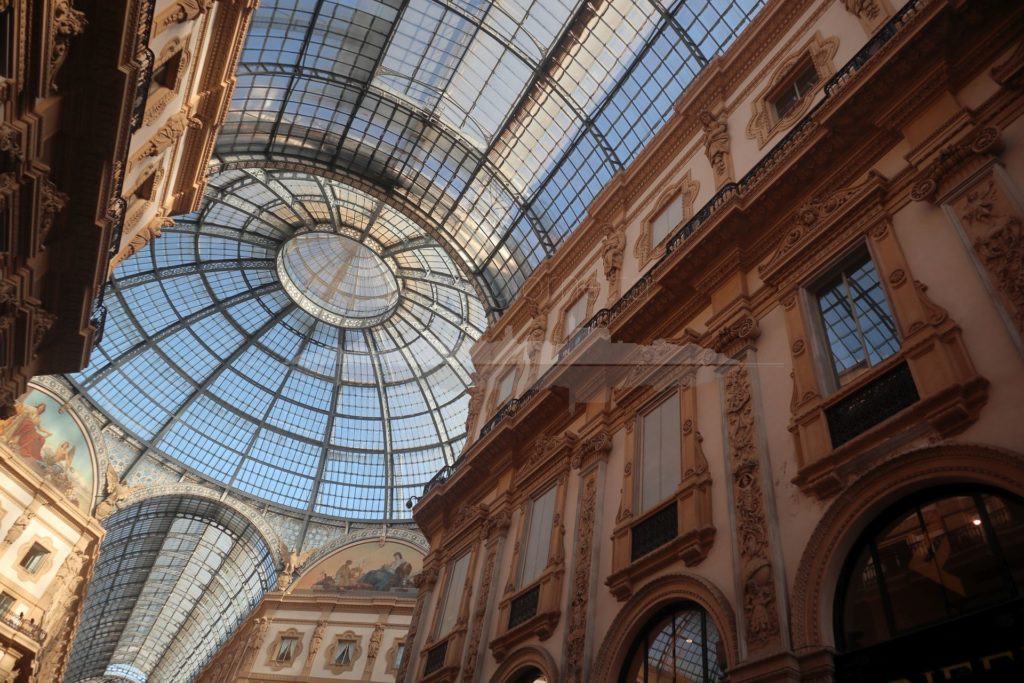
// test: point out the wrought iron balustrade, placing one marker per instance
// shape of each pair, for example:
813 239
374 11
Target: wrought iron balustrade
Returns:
25 626
874 402
435 658
523 607
654 532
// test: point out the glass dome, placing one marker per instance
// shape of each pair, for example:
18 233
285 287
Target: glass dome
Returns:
296 340
337 279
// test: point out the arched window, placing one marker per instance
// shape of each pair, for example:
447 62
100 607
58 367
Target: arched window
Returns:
680 643
530 674
941 555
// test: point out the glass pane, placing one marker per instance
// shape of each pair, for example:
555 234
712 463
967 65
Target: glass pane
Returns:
660 457
538 538
680 646
863 612
962 558
857 320
453 595
908 567
1007 520
873 312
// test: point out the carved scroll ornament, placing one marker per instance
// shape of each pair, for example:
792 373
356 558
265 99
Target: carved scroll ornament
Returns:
66 22
759 601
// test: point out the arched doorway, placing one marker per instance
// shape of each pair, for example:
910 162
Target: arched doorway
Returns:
933 590
680 642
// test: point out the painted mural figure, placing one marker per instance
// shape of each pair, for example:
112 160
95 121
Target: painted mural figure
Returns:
364 567
52 443
24 432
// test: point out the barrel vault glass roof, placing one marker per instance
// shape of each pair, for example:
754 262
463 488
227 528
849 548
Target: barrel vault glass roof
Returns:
463 141
495 121
208 359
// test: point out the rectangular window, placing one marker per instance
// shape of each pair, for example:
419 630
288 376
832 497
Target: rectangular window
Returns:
34 558
538 537
576 315
505 386
660 453
166 75
399 654
666 221
796 89
453 595
856 318
286 649
344 652
6 41
6 603
145 190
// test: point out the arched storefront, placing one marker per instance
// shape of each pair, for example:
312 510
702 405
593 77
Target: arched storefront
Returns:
934 590
679 642
677 627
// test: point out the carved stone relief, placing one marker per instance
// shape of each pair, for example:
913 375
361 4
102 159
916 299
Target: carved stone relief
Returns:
872 13
580 591
66 22
477 619
717 145
613 245
759 601
995 229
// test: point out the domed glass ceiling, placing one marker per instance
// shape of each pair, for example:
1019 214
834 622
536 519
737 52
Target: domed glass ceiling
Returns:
337 279
496 121
342 397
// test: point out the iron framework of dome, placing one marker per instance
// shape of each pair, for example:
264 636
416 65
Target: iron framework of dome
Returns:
496 123
474 132
338 390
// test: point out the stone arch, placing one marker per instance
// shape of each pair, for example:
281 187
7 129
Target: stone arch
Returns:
525 657
862 502
647 601
183 489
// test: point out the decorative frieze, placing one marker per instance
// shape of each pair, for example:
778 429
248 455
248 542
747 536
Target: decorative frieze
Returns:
756 573
995 229
580 591
66 22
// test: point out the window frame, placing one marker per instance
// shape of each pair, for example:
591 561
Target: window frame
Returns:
275 648
45 564
643 507
829 379
790 82
331 652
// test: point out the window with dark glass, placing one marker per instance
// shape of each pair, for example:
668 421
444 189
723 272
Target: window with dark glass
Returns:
6 603
166 74
143 192
795 89
930 560
286 649
857 321
529 675
6 41
680 643
34 558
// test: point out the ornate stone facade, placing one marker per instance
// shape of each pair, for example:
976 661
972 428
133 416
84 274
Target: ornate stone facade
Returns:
726 314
